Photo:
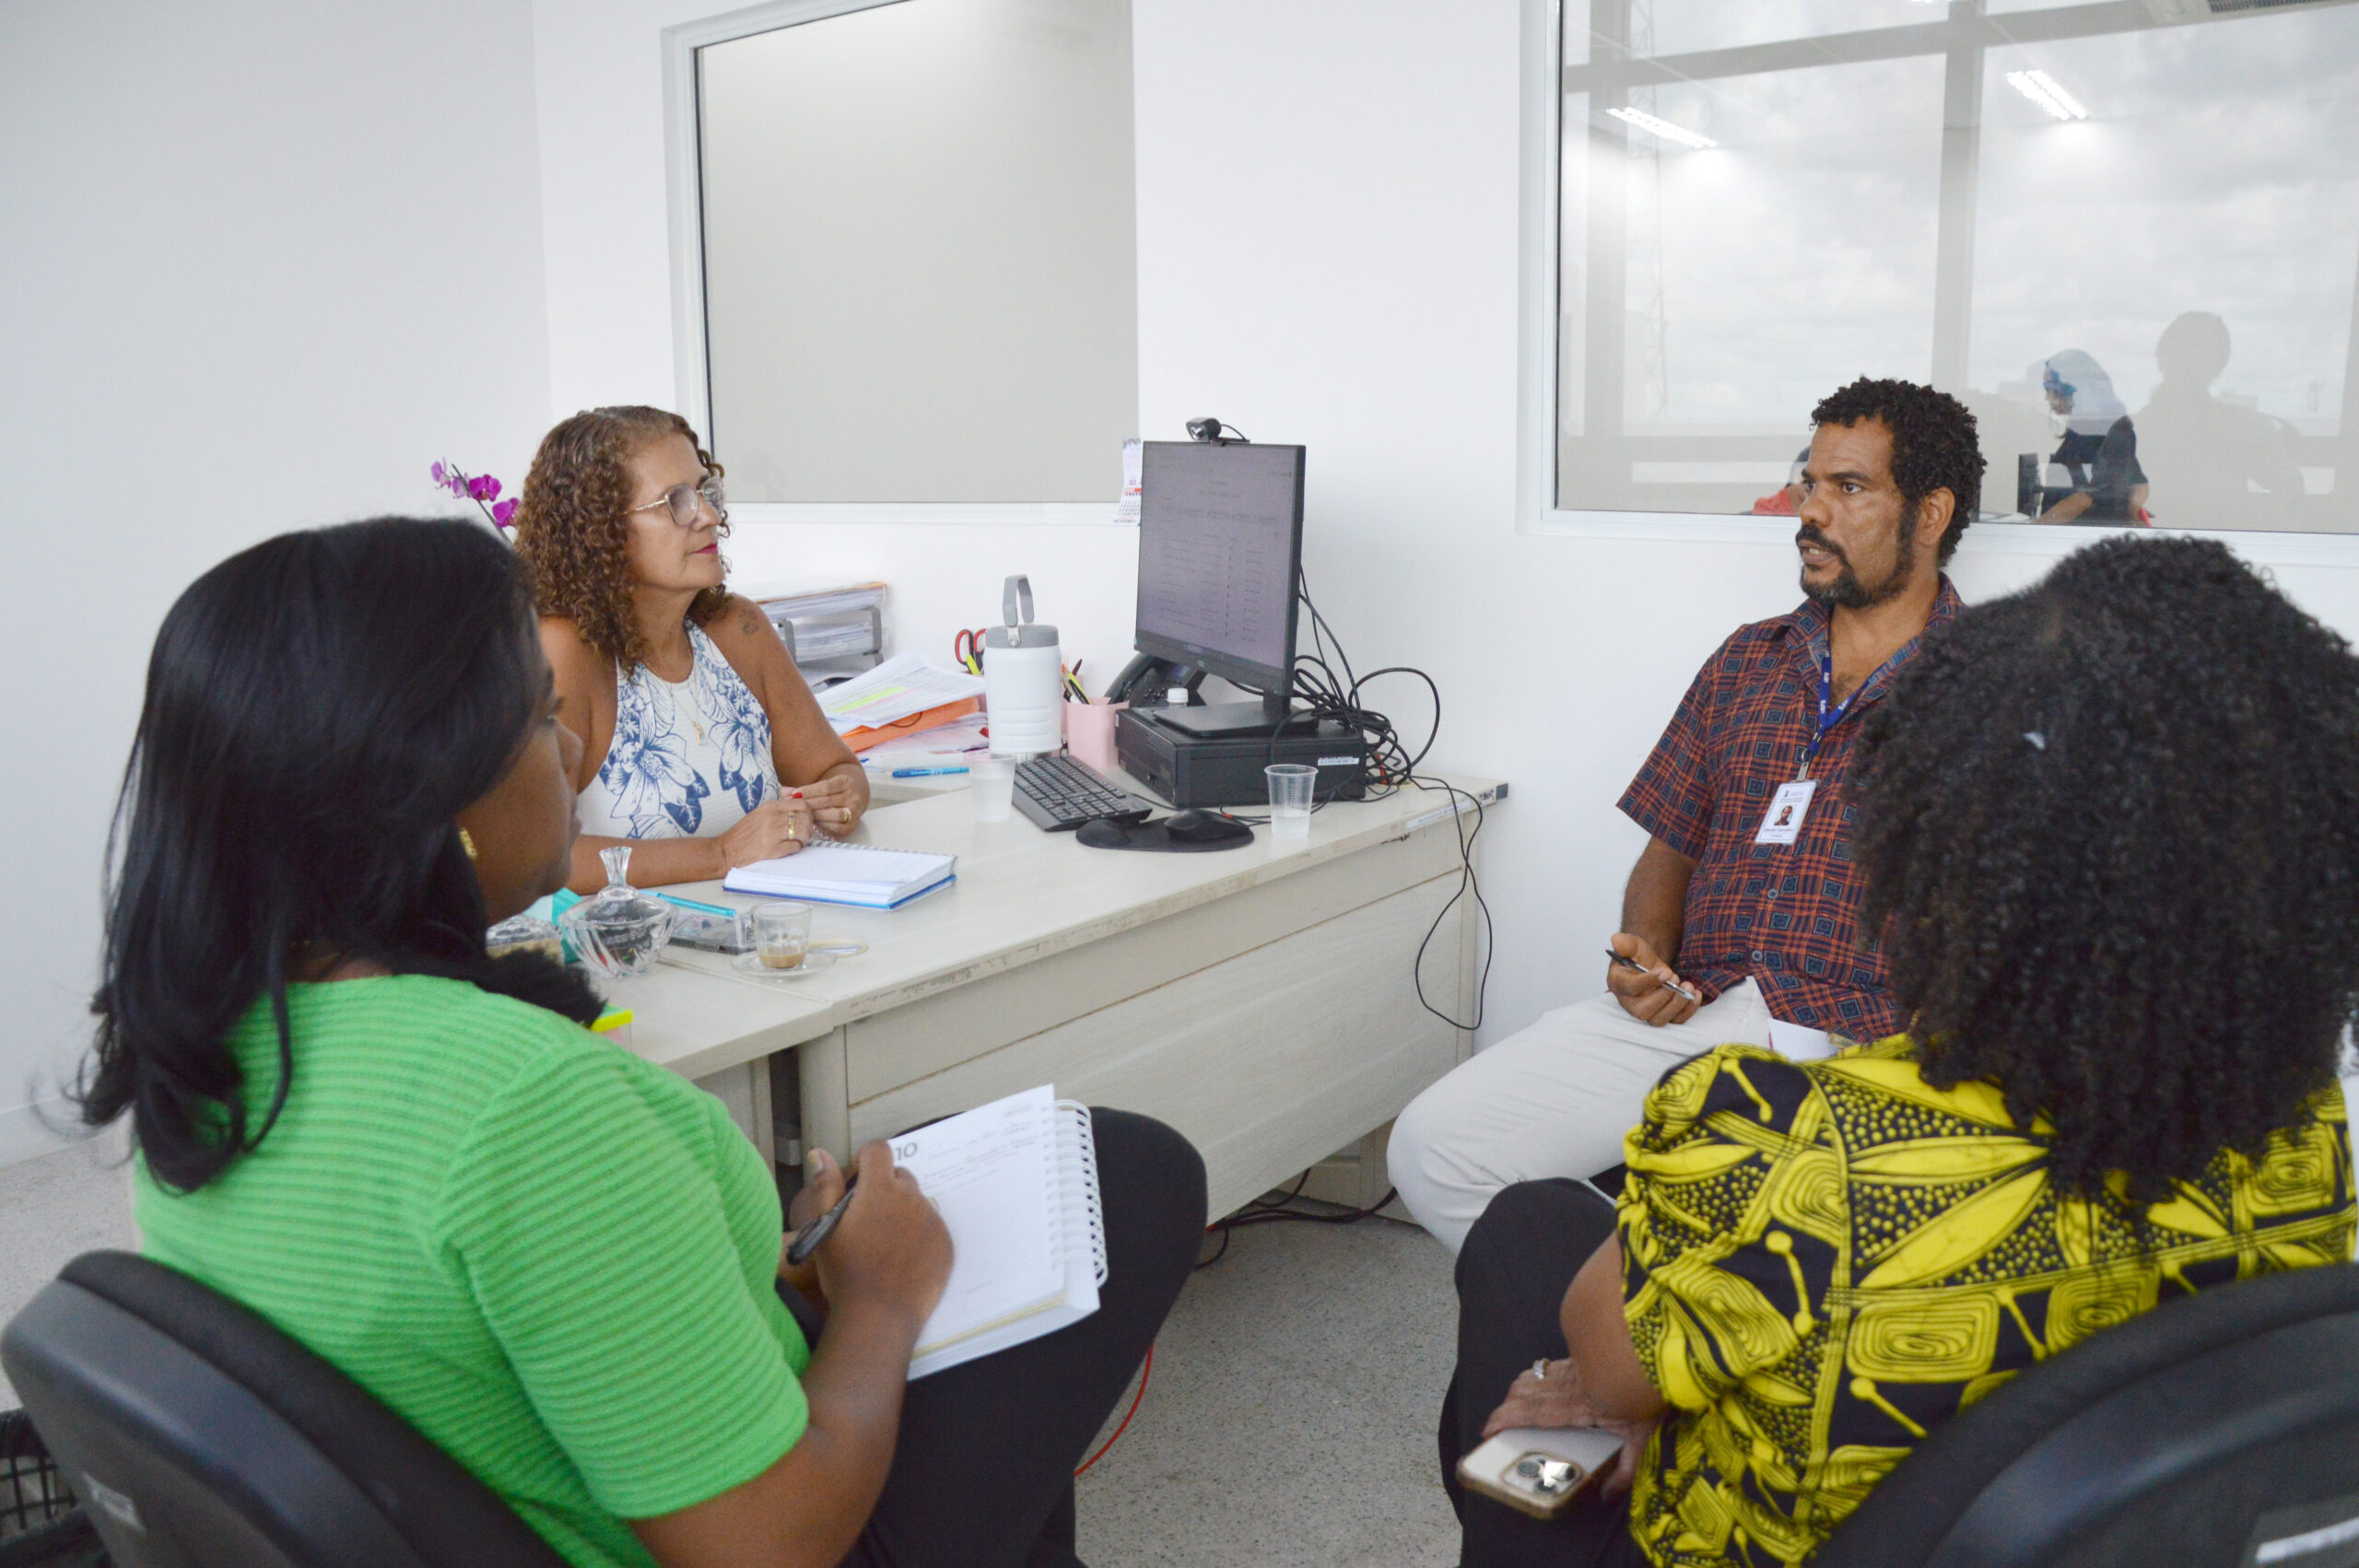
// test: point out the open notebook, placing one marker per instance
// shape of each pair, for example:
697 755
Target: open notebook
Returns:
846 873
1016 1183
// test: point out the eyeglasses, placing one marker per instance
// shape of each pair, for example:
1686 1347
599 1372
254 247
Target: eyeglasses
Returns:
683 499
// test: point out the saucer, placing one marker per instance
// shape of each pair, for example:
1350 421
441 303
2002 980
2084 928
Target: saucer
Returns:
839 949
751 963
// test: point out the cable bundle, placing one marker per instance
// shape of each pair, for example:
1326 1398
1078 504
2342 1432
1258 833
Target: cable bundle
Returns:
1391 767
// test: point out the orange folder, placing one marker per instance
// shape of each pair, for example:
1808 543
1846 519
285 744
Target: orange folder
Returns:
932 718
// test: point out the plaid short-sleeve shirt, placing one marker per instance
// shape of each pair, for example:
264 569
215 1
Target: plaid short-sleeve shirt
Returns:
1786 914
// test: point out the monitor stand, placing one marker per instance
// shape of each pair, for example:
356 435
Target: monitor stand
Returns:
1219 720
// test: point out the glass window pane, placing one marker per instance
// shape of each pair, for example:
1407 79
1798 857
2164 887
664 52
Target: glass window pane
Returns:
1729 287
2133 253
2212 185
920 277
1680 26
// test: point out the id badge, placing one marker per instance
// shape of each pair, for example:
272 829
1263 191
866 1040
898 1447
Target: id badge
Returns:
1782 823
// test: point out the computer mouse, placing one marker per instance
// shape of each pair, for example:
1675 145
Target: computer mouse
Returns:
1103 833
1198 827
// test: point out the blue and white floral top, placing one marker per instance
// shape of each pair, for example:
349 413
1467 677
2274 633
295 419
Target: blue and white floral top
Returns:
688 757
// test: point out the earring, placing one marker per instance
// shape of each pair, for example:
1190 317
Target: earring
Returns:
467 843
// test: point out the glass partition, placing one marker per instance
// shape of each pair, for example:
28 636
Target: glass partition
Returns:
2127 235
918 262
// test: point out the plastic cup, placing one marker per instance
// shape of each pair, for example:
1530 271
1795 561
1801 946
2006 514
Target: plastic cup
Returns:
1290 787
991 786
781 934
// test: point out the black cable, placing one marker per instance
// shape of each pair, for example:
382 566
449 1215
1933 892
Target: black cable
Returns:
1391 766
1263 1213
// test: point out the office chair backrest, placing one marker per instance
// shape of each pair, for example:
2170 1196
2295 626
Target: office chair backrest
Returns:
2223 1428
198 1435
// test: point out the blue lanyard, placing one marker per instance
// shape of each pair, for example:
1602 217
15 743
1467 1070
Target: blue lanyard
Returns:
1828 721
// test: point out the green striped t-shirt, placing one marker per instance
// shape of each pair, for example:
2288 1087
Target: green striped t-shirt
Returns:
551 1258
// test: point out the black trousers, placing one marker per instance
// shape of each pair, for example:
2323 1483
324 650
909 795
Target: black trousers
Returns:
982 1471
1512 1274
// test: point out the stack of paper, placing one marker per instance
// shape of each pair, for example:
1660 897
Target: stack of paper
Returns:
902 695
960 735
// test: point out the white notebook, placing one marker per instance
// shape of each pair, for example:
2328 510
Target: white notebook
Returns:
1017 1184
846 873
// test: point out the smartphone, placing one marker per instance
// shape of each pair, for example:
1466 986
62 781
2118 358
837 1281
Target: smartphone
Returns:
712 933
1539 1471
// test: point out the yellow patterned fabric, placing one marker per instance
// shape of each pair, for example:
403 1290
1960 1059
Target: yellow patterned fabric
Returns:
1823 1261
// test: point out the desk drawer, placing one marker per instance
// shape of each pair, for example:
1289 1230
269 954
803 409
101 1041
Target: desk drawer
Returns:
934 1033
1268 1062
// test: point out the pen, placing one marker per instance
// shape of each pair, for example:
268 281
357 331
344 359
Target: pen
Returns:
806 1240
1634 964
924 772
721 909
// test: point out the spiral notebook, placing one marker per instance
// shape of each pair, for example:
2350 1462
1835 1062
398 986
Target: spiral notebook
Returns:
846 873
1017 1184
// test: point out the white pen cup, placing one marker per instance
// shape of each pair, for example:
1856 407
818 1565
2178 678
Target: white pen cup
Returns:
1290 790
992 785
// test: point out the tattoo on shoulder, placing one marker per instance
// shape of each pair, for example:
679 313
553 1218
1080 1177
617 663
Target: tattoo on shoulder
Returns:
753 623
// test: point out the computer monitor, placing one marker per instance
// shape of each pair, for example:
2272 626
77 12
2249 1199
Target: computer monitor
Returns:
1220 547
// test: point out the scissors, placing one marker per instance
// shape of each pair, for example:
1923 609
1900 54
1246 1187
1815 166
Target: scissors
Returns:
966 647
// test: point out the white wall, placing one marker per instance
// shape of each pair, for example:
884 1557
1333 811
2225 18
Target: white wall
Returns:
1327 198
258 266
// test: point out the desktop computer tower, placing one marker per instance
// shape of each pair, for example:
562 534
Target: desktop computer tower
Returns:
1225 770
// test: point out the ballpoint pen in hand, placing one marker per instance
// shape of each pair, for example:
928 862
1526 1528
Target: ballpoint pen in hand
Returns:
1629 963
806 1240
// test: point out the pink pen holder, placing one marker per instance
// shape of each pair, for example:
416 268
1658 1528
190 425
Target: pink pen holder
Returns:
1090 733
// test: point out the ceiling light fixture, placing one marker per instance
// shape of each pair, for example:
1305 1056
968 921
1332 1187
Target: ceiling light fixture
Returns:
2042 89
1664 128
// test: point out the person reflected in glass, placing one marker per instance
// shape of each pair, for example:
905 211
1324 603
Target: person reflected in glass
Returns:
2090 1110
2093 474
1786 501
2208 456
702 744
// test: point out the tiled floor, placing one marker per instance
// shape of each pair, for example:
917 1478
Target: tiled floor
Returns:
1289 1419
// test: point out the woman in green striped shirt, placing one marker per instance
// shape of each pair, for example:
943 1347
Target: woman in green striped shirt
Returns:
560 1263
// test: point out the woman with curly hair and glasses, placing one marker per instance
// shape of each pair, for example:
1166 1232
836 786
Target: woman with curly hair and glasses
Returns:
2110 832
702 744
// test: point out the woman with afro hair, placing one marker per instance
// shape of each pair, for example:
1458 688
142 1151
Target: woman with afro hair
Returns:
2110 832
702 745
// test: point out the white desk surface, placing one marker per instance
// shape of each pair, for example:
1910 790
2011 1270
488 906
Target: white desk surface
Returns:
1021 895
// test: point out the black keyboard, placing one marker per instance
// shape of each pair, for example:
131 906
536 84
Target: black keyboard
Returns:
1057 793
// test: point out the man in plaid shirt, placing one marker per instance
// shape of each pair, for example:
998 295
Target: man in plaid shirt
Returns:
1741 920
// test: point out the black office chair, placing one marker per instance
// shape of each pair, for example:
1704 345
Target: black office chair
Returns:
197 1435
2223 1428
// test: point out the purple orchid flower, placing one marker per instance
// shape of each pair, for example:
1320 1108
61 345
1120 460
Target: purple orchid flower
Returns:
480 488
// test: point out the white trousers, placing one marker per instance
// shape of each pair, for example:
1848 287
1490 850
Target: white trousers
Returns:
1555 1099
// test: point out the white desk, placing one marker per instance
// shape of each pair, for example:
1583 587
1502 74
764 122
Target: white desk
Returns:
1261 1002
